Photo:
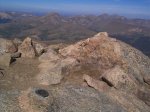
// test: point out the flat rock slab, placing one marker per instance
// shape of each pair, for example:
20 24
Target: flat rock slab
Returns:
9 101
68 99
82 99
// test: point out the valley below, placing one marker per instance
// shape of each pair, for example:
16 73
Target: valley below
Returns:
57 28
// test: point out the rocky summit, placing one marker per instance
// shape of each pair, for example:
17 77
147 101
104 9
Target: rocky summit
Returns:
99 74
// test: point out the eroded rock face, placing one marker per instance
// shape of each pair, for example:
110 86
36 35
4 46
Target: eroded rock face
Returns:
5 60
7 46
53 67
16 55
50 68
97 84
99 50
147 79
50 55
30 48
26 48
17 41
117 78
122 70
103 52
50 75
39 48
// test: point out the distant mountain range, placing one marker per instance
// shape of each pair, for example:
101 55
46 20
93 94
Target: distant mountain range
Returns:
57 28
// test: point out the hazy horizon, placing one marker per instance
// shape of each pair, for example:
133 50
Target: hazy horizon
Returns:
128 8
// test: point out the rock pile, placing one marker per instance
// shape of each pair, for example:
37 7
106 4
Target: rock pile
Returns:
30 49
123 70
11 49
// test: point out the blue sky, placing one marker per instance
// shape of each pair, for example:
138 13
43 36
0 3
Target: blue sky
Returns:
131 8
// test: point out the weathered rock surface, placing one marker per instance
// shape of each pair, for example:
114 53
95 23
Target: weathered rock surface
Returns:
129 101
103 52
147 79
53 67
7 46
68 99
79 99
122 67
16 55
50 70
117 78
26 48
39 48
31 101
30 48
17 41
5 60
50 75
8 101
50 55
97 84
121 77
144 95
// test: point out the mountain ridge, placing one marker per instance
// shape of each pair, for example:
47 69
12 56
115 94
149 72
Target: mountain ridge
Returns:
55 27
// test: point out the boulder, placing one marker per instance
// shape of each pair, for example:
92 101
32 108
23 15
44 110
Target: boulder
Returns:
17 41
5 60
117 78
39 48
16 55
52 72
103 52
11 47
147 79
26 48
96 84
7 46
53 68
49 55
51 75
